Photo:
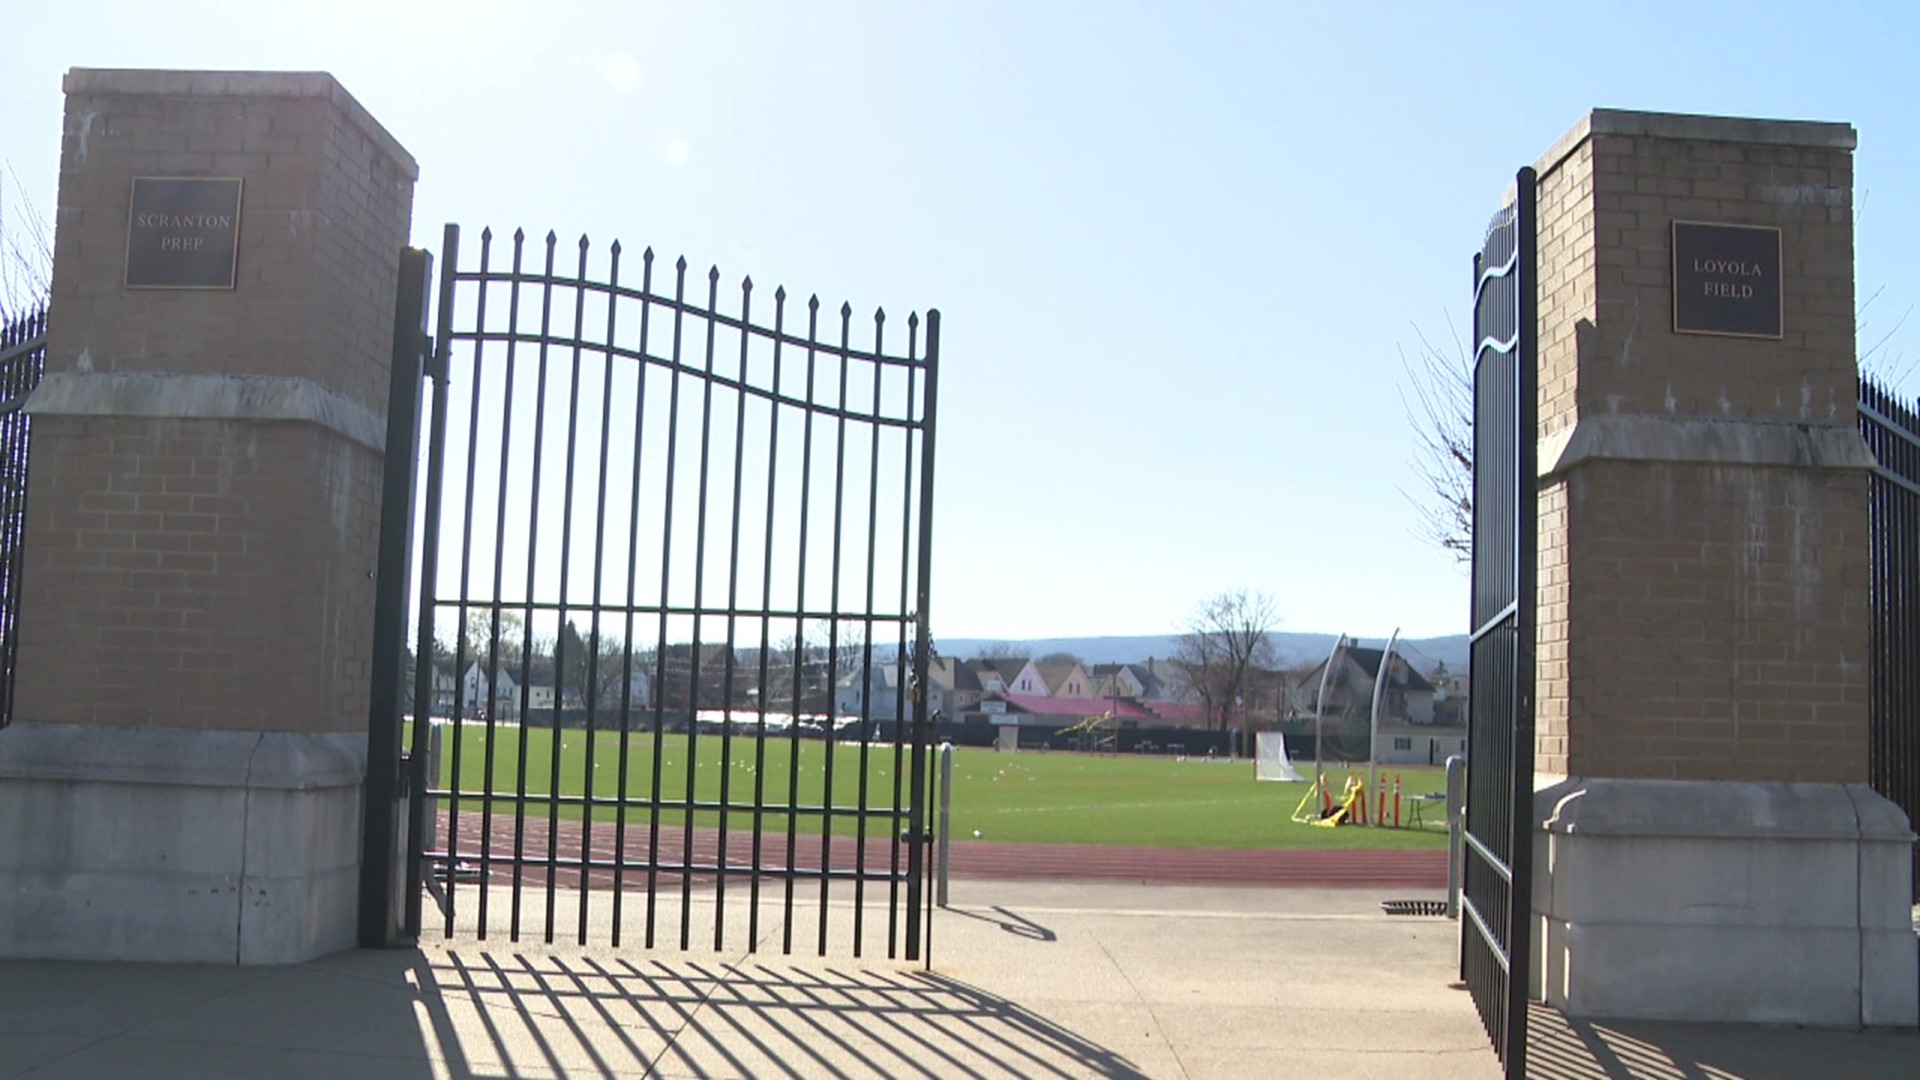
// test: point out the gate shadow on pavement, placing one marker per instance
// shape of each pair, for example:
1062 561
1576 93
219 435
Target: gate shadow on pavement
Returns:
500 1011
1012 923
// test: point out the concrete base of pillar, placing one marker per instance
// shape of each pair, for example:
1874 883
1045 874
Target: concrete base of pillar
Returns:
1721 901
201 846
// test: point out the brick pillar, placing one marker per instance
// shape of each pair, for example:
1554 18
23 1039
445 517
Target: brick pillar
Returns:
205 481
1702 705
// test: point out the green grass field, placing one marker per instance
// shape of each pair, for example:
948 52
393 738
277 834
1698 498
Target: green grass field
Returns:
1054 797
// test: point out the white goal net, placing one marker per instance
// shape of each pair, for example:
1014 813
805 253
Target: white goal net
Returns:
1270 758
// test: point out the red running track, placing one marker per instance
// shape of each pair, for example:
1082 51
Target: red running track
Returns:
971 858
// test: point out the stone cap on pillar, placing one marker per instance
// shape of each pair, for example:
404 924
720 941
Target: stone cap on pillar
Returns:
249 84
1812 134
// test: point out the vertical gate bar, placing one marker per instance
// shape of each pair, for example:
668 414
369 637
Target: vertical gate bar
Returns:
525 688
1881 528
641 368
1877 578
800 625
1892 758
760 807
595 674
833 615
380 799
28 336
937 786
1895 535
460 657
1887 682
866 640
916 854
655 796
1891 520
13 477
429 571
712 319
1526 570
556 756
733 603
1902 719
1481 680
908 687
491 737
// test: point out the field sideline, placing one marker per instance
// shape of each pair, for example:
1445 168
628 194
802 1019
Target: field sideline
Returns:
1031 797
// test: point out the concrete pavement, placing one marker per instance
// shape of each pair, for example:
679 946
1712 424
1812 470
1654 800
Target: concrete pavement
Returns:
1030 979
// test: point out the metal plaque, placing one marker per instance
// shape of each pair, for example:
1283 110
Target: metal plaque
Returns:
1726 279
183 232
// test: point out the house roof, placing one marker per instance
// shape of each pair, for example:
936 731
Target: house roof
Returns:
1368 661
1181 711
1078 708
1004 667
1056 672
951 674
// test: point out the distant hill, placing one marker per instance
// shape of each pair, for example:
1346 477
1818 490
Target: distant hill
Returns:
1293 648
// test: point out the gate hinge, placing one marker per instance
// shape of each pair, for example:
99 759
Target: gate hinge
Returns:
436 365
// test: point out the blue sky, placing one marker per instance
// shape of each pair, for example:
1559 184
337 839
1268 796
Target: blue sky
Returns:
1179 249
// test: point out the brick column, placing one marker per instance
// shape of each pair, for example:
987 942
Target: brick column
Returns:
1702 704
184 771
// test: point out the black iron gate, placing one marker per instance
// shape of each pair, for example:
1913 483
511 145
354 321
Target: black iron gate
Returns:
672 610
1891 428
23 359
1495 897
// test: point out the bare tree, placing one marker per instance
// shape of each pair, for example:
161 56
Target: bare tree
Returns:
26 253
1438 398
1226 636
1890 367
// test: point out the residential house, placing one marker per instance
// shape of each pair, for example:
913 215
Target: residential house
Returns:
955 682
1408 733
874 693
498 697
1162 680
445 679
1449 696
638 694
1118 681
1065 678
1009 676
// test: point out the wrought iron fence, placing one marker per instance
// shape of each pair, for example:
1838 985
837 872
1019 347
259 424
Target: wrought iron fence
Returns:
1498 873
1892 430
23 359
716 515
